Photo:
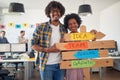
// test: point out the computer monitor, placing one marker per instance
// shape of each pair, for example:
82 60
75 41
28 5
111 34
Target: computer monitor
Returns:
111 50
4 48
18 47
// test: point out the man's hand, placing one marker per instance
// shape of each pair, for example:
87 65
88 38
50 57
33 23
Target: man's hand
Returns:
62 40
37 48
51 49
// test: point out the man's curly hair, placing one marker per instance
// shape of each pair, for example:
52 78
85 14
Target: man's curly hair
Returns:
54 4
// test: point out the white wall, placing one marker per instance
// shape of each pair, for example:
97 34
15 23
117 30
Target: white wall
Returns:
92 22
30 17
1 19
110 23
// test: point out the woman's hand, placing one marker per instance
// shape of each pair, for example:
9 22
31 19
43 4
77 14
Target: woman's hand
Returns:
93 31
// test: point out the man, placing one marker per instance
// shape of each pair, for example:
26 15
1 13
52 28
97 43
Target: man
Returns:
21 38
44 39
3 40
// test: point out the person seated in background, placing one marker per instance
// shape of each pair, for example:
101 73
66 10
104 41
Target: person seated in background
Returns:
3 40
22 39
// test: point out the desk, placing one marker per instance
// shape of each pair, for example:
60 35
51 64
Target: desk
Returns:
28 66
110 57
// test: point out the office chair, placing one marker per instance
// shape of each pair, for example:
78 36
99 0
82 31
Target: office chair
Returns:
3 73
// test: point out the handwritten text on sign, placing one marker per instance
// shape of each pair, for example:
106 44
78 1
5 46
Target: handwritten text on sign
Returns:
76 45
81 36
82 63
86 54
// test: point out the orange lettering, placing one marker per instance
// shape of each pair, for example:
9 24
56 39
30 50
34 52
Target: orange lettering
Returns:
76 45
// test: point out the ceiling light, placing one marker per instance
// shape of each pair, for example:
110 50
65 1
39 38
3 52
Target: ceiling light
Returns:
85 10
16 7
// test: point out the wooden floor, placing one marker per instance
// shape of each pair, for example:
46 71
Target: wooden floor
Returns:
107 74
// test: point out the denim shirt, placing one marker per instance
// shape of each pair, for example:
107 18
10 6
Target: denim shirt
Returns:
3 40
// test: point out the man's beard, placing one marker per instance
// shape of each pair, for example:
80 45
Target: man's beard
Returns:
56 20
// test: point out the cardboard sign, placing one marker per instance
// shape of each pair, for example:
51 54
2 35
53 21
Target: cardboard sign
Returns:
101 62
69 55
86 54
86 45
76 45
82 63
81 36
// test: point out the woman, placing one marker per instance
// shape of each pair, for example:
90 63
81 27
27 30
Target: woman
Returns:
72 22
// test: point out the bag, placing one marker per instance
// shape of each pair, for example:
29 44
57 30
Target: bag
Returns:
4 72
